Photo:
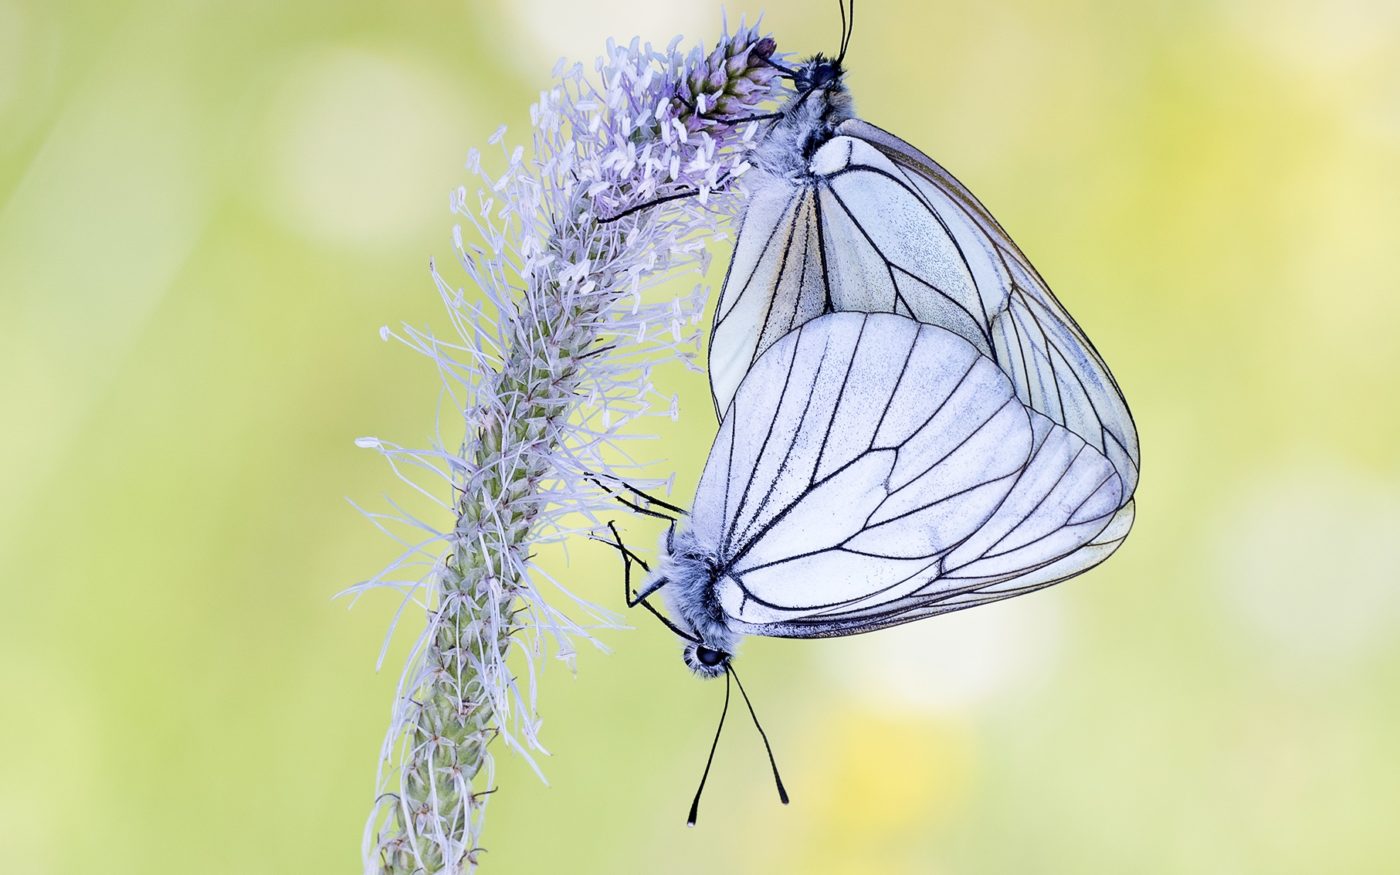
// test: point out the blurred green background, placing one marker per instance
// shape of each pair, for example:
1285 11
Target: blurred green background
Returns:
207 210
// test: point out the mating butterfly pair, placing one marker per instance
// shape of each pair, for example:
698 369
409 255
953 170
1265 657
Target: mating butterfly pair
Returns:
911 423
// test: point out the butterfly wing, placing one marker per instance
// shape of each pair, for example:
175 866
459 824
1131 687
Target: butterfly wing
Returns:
776 281
859 453
1054 365
947 598
880 227
1060 519
873 470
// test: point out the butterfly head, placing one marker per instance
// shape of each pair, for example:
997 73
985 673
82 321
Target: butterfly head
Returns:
707 662
827 75
820 73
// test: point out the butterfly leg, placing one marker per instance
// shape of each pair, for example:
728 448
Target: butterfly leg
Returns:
743 119
628 557
650 500
787 73
737 120
633 599
629 596
680 195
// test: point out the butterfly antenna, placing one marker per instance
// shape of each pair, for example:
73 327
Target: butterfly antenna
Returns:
841 4
695 805
846 30
777 779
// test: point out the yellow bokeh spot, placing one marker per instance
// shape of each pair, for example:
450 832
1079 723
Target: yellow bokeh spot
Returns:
880 785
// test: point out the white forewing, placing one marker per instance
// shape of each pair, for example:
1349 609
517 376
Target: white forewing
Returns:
859 452
881 228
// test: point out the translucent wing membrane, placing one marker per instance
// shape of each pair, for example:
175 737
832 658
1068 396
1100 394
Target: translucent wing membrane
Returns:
779 282
878 227
873 470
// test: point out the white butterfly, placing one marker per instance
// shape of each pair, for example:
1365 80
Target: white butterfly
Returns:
911 422
873 470
846 218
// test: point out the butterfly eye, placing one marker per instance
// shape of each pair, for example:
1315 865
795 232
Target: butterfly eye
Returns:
707 662
823 74
710 657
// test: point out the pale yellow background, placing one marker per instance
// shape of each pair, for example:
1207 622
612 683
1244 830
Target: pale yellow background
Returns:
208 209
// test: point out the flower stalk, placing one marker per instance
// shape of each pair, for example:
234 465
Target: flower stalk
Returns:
549 364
